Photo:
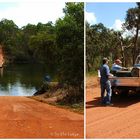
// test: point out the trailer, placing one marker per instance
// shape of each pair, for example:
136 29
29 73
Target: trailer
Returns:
124 85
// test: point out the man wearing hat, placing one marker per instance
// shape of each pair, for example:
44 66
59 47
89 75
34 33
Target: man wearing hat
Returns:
105 83
116 66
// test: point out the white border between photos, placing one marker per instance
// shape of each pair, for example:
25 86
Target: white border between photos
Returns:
84 72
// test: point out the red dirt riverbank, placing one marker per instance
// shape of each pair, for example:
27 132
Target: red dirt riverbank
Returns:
122 120
22 117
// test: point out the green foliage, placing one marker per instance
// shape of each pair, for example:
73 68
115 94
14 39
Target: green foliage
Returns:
9 35
100 42
132 23
42 45
132 18
70 43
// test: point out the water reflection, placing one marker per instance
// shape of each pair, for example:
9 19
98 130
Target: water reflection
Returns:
22 80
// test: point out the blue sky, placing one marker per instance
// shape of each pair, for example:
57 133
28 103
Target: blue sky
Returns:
112 15
6 5
23 12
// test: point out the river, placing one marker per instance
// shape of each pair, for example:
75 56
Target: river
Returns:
23 79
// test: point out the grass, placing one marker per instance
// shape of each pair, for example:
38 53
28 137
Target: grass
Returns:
92 73
77 107
61 97
55 97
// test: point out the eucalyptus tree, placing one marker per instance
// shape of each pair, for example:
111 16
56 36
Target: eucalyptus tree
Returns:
42 44
100 42
9 38
132 23
70 45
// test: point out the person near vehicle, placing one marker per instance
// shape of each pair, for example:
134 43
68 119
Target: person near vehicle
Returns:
117 65
105 83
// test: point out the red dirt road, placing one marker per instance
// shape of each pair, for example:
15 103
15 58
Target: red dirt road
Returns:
122 120
22 117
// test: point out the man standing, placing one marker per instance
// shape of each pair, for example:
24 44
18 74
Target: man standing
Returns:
105 83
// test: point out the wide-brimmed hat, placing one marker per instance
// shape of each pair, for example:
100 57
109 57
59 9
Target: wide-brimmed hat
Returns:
118 61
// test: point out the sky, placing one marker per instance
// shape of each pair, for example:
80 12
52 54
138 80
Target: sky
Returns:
23 13
112 15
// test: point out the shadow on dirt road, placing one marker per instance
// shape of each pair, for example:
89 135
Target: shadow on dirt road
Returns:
117 100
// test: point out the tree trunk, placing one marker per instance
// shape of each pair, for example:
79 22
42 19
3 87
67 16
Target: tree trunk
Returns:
122 51
135 45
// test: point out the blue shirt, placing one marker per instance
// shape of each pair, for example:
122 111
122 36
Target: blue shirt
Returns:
104 72
116 67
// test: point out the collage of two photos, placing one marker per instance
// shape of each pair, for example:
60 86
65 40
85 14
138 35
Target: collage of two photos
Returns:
69 69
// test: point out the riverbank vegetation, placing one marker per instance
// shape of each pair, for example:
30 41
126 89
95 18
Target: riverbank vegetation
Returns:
60 44
105 42
59 96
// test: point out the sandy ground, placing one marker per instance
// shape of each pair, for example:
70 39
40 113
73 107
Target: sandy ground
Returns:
22 117
122 120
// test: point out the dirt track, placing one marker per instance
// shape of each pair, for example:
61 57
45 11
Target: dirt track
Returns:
21 117
122 120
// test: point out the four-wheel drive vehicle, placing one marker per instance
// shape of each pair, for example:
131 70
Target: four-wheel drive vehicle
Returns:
127 81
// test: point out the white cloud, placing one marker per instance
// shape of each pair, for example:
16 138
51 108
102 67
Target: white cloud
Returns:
90 18
117 26
33 12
